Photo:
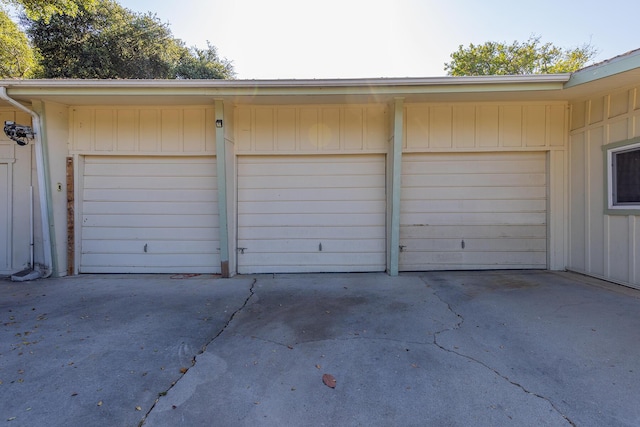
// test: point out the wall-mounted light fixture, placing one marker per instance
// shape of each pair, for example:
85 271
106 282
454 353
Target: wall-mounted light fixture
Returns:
218 123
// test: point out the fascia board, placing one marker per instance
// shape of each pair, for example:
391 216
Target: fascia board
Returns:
617 65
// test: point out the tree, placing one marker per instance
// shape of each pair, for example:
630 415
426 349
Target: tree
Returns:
107 41
44 9
529 57
204 64
16 56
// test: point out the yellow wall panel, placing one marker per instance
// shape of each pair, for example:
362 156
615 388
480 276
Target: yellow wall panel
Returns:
440 129
244 129
618 104
286 129
353 129
578 115
556 122
308 130
127 130
487 130
535 125
619 130
82 129
376 127
194 130
417 118
149 130
511 129
210 129
171 136
329 129
596 110
464 126
264 129
104 132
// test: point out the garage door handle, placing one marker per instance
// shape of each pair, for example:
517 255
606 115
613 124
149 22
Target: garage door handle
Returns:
146 246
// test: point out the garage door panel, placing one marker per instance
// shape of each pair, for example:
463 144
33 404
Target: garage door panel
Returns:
144 183
149 215
170 221
471 244
480 218
312 207
150 195
149 208
152 247
333 246
475 180
310 262
310 220
318 194
424 231
150 233
118 168
287 232
471 260
444 206
478 193
296 181
279 166
473 211
311 214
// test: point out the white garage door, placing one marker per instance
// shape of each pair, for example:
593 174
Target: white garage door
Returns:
311 214
473 211
150 215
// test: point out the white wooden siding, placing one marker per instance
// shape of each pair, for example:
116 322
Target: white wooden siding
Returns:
493 202
166 205
311 214
601 245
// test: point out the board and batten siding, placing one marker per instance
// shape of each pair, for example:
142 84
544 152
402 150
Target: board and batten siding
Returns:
149 215
311 213
311 129
143 130
470 211
484 127
601 245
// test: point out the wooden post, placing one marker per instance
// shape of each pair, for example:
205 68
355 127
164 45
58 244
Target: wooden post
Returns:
70 218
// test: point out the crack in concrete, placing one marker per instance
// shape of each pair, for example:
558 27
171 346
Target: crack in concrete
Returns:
204 348
481 363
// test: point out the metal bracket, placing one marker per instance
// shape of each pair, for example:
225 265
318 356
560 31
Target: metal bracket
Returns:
241 250
402 248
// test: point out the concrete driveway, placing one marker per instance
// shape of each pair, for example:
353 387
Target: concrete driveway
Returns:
444 349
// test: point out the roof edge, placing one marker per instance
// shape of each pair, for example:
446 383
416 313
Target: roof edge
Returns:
616 65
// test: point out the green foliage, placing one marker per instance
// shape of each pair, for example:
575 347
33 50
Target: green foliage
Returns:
529 57
107 41
16 56
45 9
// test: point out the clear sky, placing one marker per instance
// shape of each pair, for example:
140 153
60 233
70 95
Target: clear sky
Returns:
303 39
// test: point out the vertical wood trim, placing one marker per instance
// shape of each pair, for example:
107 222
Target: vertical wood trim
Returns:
393 244
70 217
78 181
221 178
587 202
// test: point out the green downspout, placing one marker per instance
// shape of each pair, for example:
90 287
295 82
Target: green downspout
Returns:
221 166
396 170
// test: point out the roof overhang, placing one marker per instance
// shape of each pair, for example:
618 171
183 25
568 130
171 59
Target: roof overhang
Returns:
195 92
619 72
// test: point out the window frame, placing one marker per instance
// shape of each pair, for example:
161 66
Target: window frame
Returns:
610 150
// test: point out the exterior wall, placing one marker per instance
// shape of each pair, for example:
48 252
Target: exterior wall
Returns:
484 127
143 130
602 245
311 129
16 176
